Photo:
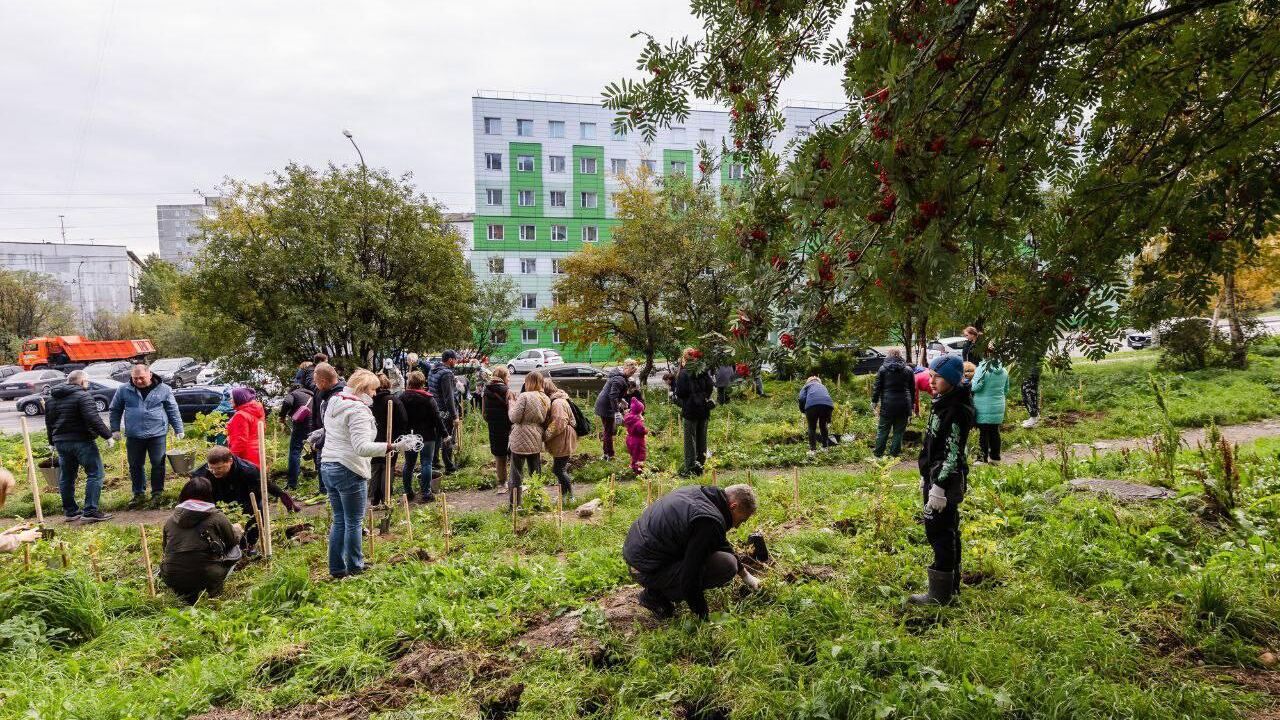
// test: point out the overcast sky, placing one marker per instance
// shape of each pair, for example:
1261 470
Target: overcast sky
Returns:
114 106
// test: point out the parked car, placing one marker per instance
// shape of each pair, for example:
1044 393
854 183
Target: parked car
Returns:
208 374
9 370
177 372
945 346
28 382
102 390
117 370
1137 340
533 359
198 399
577 378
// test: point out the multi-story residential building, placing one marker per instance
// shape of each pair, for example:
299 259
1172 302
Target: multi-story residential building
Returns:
546 169
93 277
178 229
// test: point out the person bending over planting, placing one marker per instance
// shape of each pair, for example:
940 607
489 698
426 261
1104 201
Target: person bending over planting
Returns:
200 544
944 476
232 479
677 548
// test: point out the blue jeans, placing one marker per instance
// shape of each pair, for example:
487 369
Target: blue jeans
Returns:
297 437
427 456
348 493
139 451
71 457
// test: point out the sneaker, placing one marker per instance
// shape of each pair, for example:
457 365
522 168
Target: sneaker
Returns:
656 604
138 501
1031 422
811 453
73 516
94 516
993 462
427 498
979 462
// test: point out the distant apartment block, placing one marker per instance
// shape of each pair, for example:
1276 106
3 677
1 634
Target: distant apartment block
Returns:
546 170
93 277
178 228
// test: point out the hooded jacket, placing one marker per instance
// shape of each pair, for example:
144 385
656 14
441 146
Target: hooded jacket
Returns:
145 417
895 388
242 431
528 415
196 541
423 415
815 394
71 416
683 527
349 433
942 454
496 400
607 402
561 437
633 421
693 391
399 418
990 386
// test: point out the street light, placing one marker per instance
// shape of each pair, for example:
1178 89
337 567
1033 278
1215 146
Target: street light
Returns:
347 134
84 323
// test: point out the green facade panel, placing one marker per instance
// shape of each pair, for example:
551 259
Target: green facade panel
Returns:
527 180
542 232
675 156
595 353
588 182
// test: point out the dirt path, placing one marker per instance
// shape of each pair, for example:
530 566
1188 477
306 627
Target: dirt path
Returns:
469 500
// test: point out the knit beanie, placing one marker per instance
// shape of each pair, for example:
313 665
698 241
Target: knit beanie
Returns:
949 368
242 395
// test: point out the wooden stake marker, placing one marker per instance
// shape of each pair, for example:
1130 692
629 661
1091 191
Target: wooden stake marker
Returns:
408 517
795 487
391 461
93 561
372 531
31 472
257 520
62 548
714 483
560 515
444 509
146 561
262 491
26 556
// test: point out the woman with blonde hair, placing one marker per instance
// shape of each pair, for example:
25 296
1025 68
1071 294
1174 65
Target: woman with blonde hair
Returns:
348 444
528 415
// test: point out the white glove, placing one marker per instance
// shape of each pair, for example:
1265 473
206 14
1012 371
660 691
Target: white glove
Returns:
401 445
111 442
115 435
751 580
181 435
937 501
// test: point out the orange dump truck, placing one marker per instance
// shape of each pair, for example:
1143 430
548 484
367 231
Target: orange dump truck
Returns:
56 352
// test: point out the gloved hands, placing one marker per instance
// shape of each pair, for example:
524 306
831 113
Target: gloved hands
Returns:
181 435
400 445
937 501
447 442
315 437
111 442
750 580
115 435
24 534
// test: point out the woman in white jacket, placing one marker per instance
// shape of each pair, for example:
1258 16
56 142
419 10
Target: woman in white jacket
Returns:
348 444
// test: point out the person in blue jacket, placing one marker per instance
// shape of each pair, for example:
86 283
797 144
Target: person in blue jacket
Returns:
148 409
817 406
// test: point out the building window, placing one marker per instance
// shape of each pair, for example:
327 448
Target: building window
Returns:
618 133
557 163
555 337
556 128
493 161
707 135
525 198
528 232
589 233
529 301
499 337
524 163
524 128
618 166
497 266
495 232
556 267
735 171
588 200
650 165
678 135
492 196
587 166
492 126
587 131
529 266
678 167
529 336
558 233
557 198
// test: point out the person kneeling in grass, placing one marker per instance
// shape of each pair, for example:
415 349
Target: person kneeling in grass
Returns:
944 476
200 544
677 548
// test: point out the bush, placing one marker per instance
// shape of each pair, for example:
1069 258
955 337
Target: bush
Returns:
67 606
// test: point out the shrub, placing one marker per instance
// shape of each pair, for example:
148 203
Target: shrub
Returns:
68 605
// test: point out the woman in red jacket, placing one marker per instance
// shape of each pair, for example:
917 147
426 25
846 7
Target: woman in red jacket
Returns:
242 428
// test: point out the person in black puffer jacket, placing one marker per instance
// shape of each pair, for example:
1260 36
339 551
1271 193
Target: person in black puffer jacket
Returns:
399 426
296 402
893 396
444 386
424 419
496 399
73 426
610 402
200 545
693 393
232 480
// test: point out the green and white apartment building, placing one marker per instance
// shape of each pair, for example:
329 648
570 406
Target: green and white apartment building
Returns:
546 168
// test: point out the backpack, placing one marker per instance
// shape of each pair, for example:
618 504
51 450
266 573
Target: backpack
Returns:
581 425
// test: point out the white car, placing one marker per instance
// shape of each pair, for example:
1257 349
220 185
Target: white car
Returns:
945 346
533 359
208 374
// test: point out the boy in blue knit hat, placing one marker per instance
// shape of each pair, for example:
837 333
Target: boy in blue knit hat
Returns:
944 475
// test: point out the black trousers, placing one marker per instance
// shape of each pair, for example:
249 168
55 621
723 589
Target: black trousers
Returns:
819 418
1031 392
989 441
560 468
943 532
719 570
608 427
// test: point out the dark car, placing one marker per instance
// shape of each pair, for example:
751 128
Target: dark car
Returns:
177 372
117 370
1137 340
29 382
9 370
102 390
198 399
866 360
575 378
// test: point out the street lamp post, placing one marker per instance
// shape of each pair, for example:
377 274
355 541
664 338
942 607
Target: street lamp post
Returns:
84 323
347 134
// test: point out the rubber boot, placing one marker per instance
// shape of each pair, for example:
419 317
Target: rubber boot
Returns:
941 589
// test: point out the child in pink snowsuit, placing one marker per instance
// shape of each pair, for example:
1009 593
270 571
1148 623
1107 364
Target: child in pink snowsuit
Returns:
634 422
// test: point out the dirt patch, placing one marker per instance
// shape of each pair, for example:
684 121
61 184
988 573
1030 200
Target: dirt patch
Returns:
804 573
505 703
848 526
975 578
622 612
1263 682
416 554
1072 417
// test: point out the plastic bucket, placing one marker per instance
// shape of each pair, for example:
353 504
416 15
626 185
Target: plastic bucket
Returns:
182 461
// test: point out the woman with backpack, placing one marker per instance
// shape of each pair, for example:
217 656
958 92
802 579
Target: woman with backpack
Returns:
528 414
561 437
